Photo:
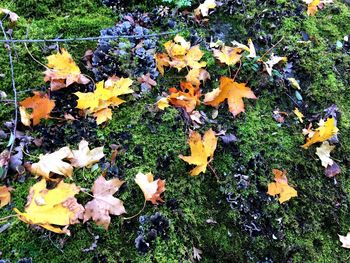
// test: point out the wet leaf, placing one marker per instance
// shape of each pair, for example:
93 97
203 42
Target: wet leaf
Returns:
187 97
228 55
152 189
50 208
274 60
201 150
299 115
280 187
104 203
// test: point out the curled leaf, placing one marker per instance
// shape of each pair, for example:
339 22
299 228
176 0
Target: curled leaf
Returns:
152 189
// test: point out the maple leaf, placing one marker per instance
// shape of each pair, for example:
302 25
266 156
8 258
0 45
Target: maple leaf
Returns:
228 55
345 240
281 187
5 195
250 48
103 115
50 208
52 162
203 9
63 71
314 5
178 47
232 91
324 153
201 150
274 60
196 75
162 103
197 253
84 156
162 60
322 133
41 107
147 80
104 203
187 97
150 188
299 114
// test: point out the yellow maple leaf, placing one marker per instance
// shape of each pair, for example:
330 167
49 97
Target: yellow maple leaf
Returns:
201 150
152 189
203 9
162 60
84 157
322 133
196 75
162 103
49 207
228 55
63 71
187 97
53 162
281 187
103 115
232 91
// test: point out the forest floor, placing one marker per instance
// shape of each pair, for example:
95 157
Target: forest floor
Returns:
225 213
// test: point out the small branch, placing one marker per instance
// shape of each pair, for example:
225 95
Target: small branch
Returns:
139 212
14 93
214 173
83 38
239 68
271 48
7 217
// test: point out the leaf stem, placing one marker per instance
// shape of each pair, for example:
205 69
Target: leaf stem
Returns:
139 212
271 48
7 217
239 68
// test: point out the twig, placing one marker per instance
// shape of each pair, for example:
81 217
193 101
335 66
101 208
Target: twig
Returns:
239 68
83 38
139 212
270 49
7 217
14 93
214 173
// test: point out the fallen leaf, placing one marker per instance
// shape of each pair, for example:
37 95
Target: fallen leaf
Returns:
50 208
232 91
41 106
196 75
12 15
299 114
5 195
322 133
345 240
274 60
53 162
203 9
250 48
146 79
324 152
63 71
294 83
187 97
197 253
162 103
228 55
152 189
84 157
162 60
281 187
332 170
314 5
104 203
103 115
201 150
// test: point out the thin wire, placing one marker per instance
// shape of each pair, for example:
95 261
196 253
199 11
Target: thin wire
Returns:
83 38
14 93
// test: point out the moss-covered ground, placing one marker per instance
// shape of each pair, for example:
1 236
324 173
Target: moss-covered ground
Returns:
304 229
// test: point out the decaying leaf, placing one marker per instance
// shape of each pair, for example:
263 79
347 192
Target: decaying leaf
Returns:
12 15
105 96
324 153
5 195
314 5
281 187
250 48
299 114
53 162
345 240
196 75
84 157
104 203
197 253
203 9
152 189
187 97
228 55
232 91
41 106
63 71
163 103
332 170
294 83
50 208
326 131
201 150
147 80
274 60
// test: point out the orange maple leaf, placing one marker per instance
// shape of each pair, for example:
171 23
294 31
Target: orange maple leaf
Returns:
63 71
281 187
187 97
232 91
41 106
201 150
5 195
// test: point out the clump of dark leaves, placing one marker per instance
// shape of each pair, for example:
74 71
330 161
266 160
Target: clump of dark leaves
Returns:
150 228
